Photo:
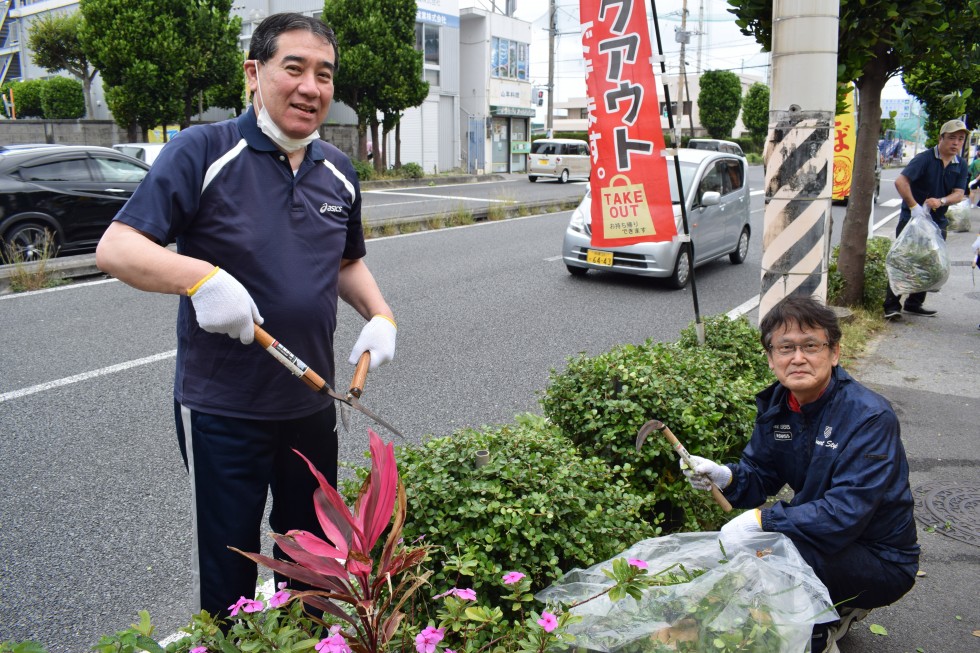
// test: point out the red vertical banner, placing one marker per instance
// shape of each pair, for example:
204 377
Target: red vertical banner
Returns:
630 192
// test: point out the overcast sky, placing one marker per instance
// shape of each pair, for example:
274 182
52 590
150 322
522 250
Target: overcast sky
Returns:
716 42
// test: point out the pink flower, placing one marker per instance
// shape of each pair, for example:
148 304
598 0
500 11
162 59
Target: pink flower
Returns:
548 622
465 594
279 597
199 649
333 644
639 564
425 642
245 605
512 577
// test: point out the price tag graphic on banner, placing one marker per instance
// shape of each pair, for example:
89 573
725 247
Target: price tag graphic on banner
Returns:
630 193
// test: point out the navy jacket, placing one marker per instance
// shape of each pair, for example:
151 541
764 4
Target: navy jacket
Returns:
843 457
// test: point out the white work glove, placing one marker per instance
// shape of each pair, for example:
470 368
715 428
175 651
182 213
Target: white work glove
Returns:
736 531
224 306
921 211
378 337
705 473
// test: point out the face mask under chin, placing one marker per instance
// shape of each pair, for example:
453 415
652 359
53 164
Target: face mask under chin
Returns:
273 131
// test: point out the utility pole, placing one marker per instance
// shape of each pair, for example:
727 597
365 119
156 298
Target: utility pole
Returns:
799 155
683 37
552 28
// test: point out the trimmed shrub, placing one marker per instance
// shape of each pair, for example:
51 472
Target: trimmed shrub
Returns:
27 97
63 98
412 171
737 341
600 403
364 169
537 506
875 275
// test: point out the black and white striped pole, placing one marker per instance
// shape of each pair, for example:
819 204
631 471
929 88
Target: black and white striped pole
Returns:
799 156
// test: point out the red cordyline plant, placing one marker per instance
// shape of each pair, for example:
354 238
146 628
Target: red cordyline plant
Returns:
340 570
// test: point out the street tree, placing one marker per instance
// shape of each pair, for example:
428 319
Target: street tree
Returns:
755 111
877 39
380 71
719 102
160 58
55 44
943 92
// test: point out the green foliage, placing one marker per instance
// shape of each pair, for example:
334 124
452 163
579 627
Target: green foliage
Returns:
62 99
600 403
944 91
22 647
158 58
736 341
537 506
364 169
875 275
412 170
755 111
54 42
27 98
719 102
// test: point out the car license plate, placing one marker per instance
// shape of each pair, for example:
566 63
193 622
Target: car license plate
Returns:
599 258
543 162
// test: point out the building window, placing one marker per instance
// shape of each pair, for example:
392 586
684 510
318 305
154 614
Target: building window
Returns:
427 42
509 59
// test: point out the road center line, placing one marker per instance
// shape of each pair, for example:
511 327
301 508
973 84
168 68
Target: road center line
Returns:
438 197
85 376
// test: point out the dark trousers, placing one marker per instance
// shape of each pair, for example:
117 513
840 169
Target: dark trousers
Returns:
233 464
914 300
856 578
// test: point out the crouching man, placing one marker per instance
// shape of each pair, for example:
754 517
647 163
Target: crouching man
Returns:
838 446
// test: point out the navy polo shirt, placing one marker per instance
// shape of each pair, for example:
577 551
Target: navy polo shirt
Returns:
928 177
225 194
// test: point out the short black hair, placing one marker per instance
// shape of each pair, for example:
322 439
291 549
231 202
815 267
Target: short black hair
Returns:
264 42
803 311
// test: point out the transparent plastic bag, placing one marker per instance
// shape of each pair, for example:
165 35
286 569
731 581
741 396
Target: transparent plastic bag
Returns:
959 217
764 598
918 260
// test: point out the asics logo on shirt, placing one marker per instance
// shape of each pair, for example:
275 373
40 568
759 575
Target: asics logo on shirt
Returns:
331 208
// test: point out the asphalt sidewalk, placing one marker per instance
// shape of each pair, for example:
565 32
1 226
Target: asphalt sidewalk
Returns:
929 368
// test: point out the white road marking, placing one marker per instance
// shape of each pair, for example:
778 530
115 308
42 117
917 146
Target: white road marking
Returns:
553 258
85 376
426 196
31 293
895 201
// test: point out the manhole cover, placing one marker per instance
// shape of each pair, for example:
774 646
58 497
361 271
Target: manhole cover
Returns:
952 508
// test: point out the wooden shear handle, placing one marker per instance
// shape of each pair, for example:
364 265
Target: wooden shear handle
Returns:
360 375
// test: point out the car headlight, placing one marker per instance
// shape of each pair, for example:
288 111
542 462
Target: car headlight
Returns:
581 217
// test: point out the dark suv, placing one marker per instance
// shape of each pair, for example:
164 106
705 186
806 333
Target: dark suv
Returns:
71 192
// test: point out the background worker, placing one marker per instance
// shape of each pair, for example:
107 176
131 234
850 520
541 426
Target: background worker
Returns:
267 222
934 180
838 446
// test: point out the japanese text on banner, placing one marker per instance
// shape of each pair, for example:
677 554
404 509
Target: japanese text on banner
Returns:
630 193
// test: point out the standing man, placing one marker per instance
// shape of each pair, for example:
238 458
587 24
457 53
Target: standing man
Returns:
838 446
934 180
267 221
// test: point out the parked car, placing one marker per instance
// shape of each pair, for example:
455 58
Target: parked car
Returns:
559 158
69 192
716 145
716 194
145 152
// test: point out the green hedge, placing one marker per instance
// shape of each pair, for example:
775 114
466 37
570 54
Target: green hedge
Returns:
63 98
537 506
705 395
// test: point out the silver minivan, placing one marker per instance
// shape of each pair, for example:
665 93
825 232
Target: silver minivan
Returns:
559 158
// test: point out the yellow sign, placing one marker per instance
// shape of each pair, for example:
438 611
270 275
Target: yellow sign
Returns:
625 210
845 139
156 134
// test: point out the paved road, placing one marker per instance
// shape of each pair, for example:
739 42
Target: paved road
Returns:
93 496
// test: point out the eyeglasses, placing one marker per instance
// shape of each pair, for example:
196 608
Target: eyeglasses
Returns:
787 349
